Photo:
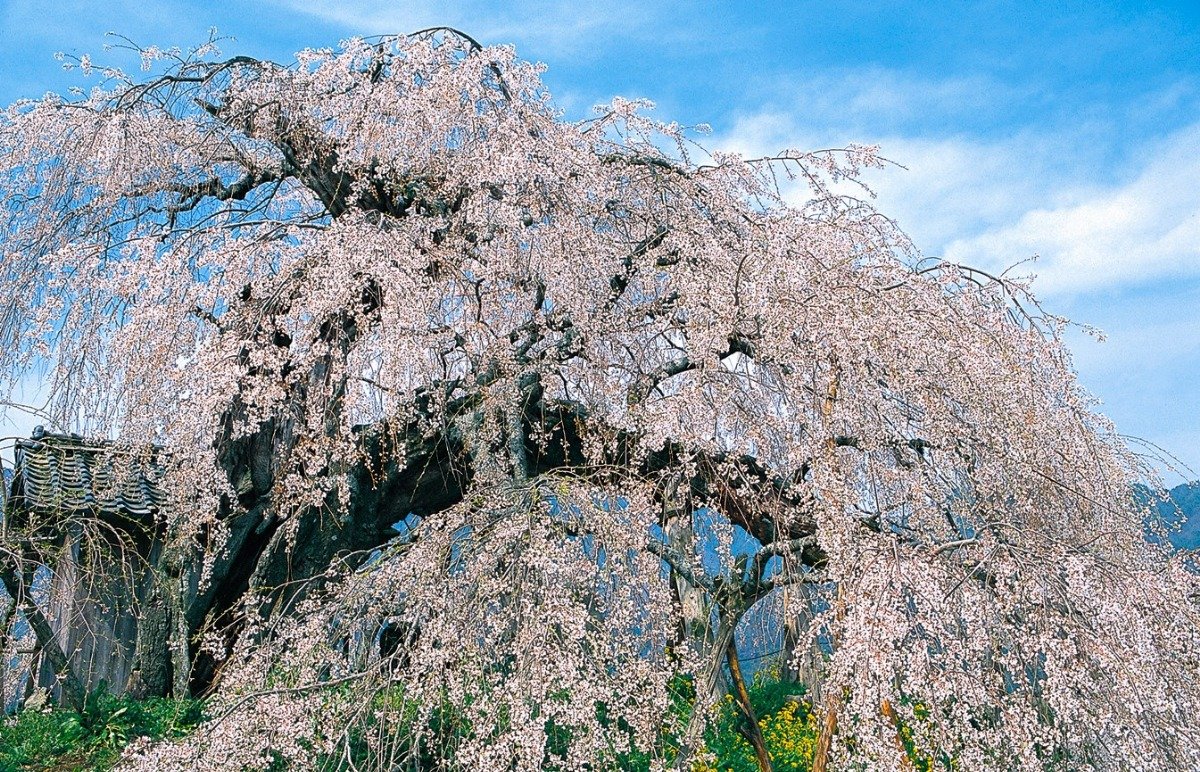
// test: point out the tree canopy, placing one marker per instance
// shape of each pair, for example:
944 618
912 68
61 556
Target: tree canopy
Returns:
480 430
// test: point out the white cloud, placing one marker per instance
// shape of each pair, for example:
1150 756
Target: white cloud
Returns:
1145 229
996 203
949 189
858 99
1119 241
953 188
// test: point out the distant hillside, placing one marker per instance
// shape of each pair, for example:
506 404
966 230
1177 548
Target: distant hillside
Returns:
1181 514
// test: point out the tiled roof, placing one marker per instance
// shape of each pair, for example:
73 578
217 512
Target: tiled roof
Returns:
59 473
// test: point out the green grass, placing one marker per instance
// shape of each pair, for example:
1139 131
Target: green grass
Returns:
59 739
64 740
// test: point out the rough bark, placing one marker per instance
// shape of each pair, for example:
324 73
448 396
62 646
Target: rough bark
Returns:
261 558
150 674
402 471
73 692
92 607
705 684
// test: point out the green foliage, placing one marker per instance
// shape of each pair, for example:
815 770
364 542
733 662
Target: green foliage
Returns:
788 725
787 722
33 738
57 739
682 694
920 762
393 729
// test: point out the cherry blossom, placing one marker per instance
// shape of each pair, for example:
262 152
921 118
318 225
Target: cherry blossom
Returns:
453 396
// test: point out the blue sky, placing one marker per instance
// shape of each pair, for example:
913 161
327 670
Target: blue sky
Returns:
1070 132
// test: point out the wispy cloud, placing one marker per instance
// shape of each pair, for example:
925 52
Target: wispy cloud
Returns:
1144 229
876 99
941 189
998 202
1115 222
549 26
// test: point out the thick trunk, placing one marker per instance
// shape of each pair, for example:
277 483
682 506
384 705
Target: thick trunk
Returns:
403 471
151 671
706 684
72 689
280 566
157 655
802 659
92 609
